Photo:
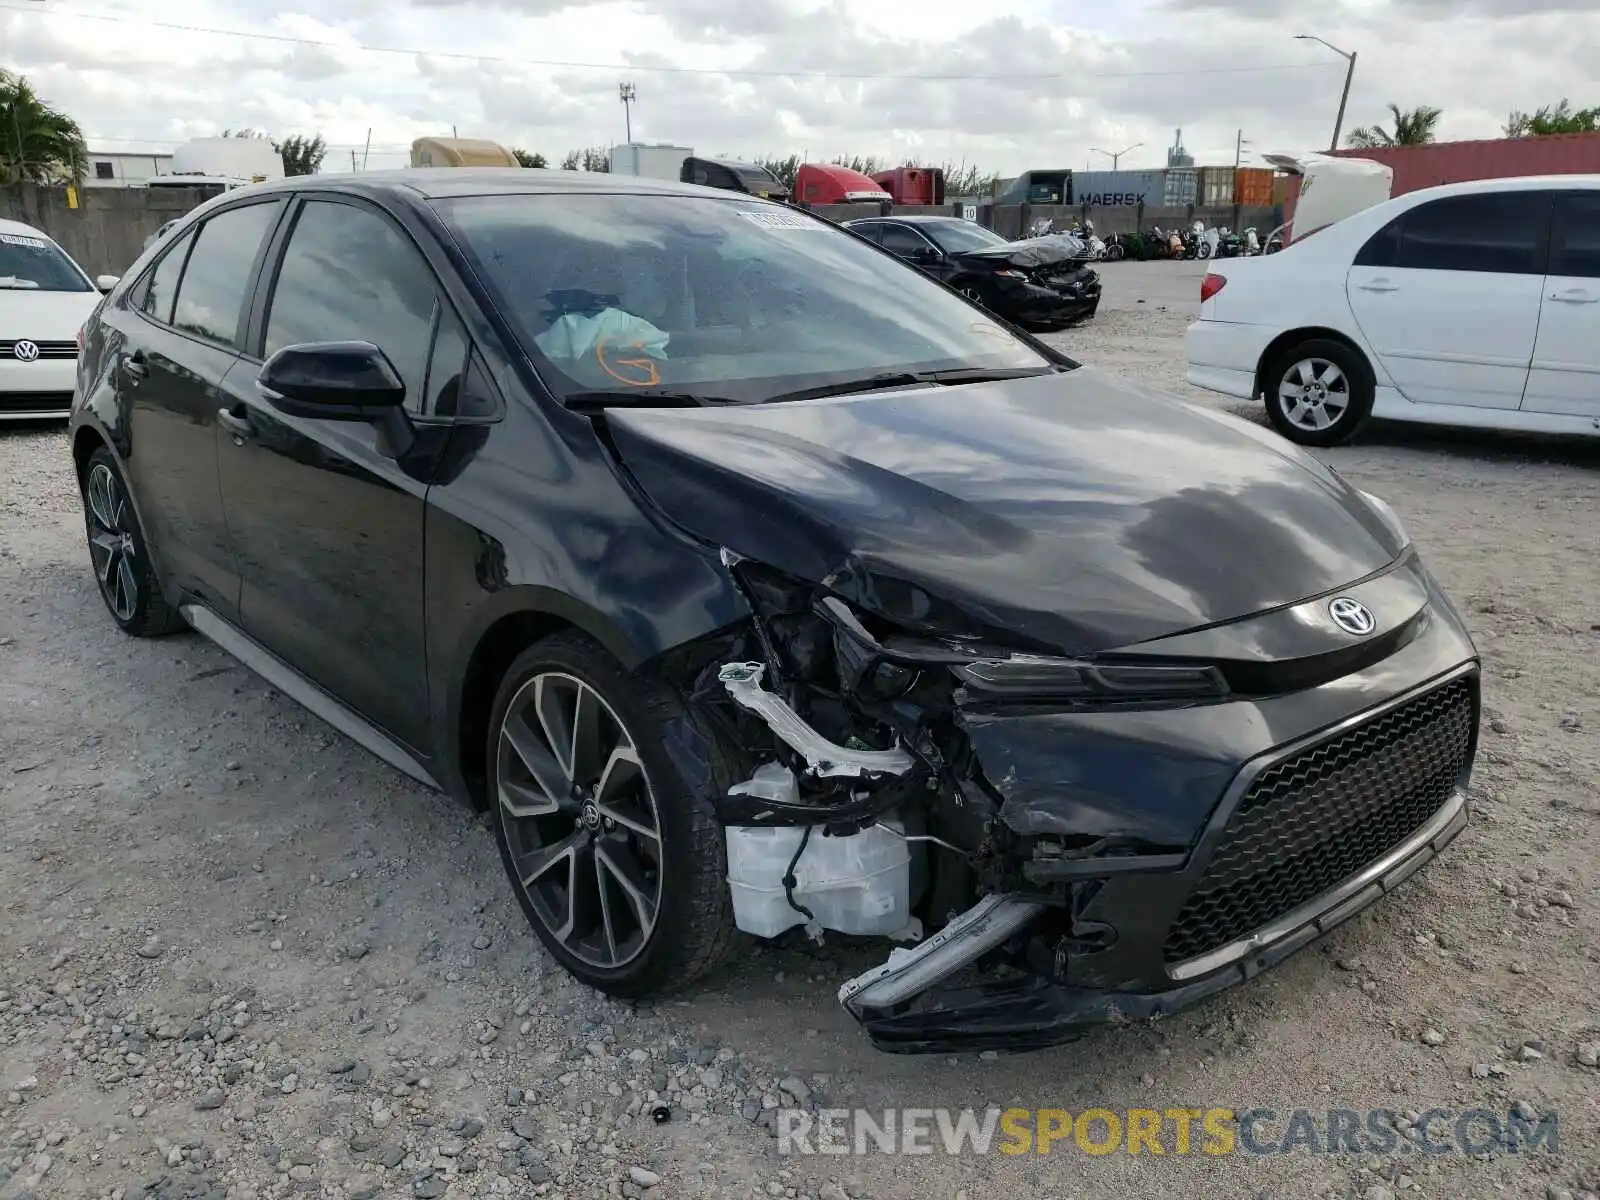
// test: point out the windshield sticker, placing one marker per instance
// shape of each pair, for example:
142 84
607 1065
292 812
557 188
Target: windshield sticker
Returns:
779 219
628 362
16 239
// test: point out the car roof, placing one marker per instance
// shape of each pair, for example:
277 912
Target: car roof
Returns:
1516 183
21 230
436 183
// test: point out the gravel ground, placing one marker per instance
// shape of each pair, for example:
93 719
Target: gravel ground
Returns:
242 958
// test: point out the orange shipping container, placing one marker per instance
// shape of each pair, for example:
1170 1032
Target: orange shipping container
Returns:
1252 187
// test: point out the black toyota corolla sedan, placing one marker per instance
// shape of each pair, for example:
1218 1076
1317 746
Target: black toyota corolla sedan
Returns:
758 584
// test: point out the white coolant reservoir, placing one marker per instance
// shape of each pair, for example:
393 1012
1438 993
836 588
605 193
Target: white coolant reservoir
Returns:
859 884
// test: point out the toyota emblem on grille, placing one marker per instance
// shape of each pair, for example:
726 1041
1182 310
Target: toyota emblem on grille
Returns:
25 350
1352 616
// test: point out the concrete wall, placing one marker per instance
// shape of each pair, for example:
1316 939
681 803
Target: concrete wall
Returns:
106 232
1012 220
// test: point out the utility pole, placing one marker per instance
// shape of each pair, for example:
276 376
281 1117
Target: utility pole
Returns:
353 166
367 150
1238 152
628 95
1349 75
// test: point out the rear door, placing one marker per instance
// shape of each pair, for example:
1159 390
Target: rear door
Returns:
180 333
1448 294
327 520
1565 377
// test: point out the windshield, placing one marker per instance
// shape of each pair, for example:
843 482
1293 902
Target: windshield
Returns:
958 237
730 300
28 261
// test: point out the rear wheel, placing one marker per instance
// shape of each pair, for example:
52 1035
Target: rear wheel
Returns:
119 554
1318 393
618 863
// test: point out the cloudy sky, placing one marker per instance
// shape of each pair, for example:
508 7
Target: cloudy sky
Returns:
1006 84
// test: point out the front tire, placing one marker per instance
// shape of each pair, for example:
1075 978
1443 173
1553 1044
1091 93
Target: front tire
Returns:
119 553
1319 392
619 864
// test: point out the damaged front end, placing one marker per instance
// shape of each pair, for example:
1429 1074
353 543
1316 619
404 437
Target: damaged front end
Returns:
867 811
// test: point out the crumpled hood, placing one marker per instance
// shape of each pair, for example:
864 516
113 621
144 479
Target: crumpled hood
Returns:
1030 255
1075 511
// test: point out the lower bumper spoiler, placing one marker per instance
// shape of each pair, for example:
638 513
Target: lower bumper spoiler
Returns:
1033 1012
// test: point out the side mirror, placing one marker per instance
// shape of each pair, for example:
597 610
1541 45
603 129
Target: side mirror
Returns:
106 282
926 255
336 381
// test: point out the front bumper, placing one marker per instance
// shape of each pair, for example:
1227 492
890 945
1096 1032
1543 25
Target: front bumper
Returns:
1034 1012
1031 303
37 390
1264 823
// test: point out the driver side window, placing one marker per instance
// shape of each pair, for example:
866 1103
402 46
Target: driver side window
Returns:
907 243
349 275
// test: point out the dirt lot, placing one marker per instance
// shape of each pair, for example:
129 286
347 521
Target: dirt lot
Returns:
241 957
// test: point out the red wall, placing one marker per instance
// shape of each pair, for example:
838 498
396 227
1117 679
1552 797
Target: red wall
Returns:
1457 162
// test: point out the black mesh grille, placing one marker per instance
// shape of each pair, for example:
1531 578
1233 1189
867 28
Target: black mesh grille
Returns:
1311 821
32 402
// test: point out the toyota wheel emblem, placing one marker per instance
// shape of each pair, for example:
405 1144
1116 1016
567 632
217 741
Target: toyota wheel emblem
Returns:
25 351
1352 616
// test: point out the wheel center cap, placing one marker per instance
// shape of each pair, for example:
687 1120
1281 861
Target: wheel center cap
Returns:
590 816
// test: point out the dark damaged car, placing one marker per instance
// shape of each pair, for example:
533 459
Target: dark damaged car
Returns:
1038 283
757 585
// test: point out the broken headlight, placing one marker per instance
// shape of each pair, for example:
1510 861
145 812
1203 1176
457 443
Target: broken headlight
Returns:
1031 676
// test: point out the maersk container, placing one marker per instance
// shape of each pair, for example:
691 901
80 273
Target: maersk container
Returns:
1117 189
1179 187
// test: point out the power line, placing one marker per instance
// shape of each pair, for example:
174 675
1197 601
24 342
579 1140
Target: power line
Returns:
741 72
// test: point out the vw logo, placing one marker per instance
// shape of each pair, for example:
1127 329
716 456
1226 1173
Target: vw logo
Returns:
25 351
1352 616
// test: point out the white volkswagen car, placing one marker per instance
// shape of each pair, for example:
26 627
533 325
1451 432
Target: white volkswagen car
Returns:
45 298
1474 304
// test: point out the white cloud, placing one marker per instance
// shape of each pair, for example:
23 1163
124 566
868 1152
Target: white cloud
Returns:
1044 83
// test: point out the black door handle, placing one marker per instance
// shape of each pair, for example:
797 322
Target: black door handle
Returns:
236 421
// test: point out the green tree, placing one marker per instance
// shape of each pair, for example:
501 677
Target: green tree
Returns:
867 165
1551 119
785 170
530 160
38 143
590 158
301 155
966 179
1414 128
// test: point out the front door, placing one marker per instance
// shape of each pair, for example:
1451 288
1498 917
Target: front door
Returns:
1565 378
327 522
179 337
1448 296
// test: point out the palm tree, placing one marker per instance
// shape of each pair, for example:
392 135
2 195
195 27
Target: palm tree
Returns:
1414 128
38 144
1550 119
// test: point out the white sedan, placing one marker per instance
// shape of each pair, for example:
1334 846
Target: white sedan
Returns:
1474 304
45 298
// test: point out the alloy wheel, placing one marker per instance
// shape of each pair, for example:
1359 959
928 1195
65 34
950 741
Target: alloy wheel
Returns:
580 820
1314 394
112 546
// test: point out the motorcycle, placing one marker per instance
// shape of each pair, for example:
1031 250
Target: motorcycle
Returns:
1205 241
1117 247
1252 244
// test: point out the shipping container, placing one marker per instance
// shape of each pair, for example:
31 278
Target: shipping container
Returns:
913 185
1497 158
649 160
1117 189
1216 187
1284 187
1038 187
1180 186
1252 187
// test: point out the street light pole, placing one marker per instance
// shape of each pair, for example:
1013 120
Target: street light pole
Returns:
1349 75
1115 157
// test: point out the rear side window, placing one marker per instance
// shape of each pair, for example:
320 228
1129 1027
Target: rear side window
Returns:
162 288
1575 247
349 275
217 276
1503 233
1381 248
871 230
